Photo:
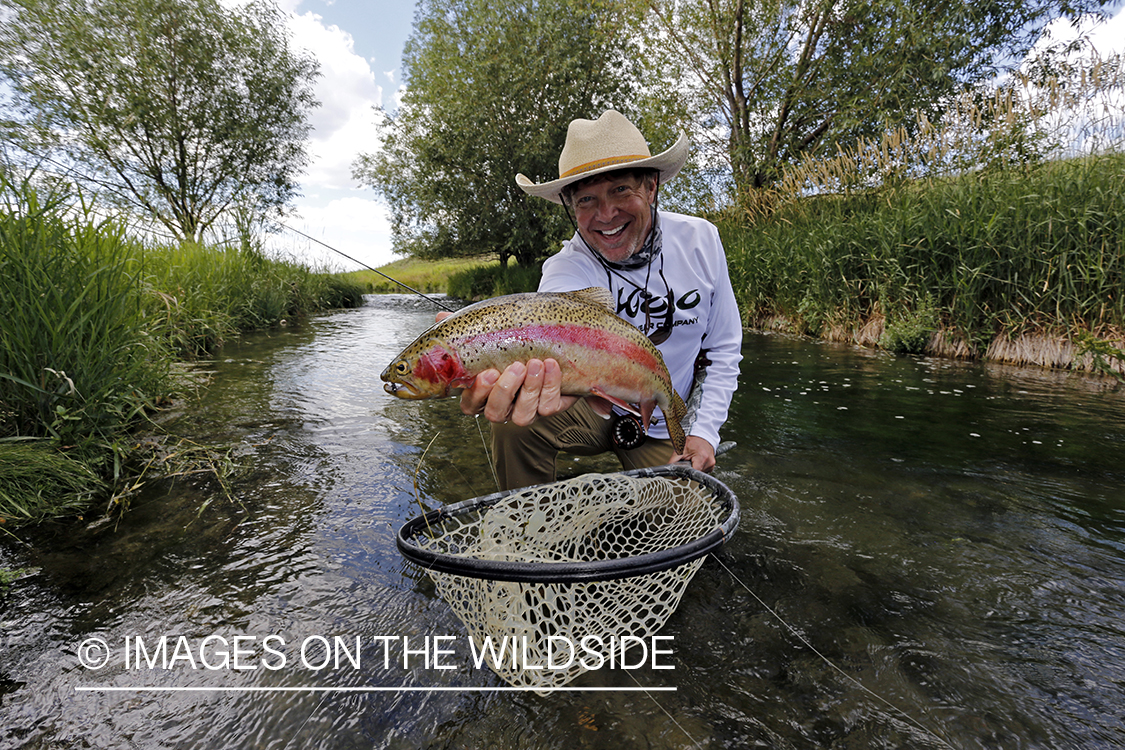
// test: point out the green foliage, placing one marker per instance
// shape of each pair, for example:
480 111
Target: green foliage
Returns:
1005 250
77 359
910 331
91 322
38 482
176 109
771 81
337 292
491 88
1102 354
200 295
424 275
462 278
493 281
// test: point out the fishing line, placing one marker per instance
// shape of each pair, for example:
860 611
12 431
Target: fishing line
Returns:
308 718
369 268
894 709
487 455
694 743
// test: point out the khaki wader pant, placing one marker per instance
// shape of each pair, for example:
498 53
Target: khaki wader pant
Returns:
527 456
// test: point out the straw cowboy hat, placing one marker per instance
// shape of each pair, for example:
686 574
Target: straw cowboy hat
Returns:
603 145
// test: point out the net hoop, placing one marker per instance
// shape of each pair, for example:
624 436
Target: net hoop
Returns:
569 572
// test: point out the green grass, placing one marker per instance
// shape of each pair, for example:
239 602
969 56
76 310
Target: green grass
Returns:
984 254
91 322
200 295
493 281
78 357
38 482
430 276
462 278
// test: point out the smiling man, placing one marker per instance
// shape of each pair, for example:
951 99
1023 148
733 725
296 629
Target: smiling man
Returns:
613 211
668 276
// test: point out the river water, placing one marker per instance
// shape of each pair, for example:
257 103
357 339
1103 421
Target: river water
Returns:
930 555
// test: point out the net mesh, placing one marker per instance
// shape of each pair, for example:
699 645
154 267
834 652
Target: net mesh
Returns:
543 635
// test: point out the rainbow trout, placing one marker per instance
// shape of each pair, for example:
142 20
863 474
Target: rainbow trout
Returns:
599 353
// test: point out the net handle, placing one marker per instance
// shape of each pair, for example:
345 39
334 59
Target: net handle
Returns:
571 572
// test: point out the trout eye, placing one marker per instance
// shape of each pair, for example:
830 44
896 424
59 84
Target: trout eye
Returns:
401 367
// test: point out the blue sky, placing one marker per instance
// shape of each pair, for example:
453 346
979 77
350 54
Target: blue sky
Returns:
378 29
359 45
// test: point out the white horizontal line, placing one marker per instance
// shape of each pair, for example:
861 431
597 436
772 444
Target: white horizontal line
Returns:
310 689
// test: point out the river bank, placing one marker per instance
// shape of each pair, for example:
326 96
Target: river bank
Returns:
1080 352
1021 263
95 326
1021 266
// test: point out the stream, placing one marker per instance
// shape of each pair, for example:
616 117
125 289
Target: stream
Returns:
931 554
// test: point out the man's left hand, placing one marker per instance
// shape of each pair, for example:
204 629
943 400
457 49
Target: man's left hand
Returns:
699 452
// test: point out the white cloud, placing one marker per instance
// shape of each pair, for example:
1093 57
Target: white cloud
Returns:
357 226
1110 37
344 124
1106 38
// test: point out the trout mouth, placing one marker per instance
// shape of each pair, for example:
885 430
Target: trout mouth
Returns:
402 390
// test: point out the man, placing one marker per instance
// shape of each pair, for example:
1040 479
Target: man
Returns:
668 275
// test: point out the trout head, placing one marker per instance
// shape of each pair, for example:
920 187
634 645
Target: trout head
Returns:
425 370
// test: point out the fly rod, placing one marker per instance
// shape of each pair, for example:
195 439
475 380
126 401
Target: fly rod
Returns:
369 268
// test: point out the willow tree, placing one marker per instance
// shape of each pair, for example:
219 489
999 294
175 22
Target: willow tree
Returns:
772 81
179 109
490 87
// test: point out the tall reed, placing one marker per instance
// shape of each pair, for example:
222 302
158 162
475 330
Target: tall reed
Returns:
91 321
201 295
77 359
994 252
493 280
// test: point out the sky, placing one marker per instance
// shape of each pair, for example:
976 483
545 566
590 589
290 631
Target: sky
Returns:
359 45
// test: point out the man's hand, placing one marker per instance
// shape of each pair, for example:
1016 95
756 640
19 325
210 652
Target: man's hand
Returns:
699 452
520 394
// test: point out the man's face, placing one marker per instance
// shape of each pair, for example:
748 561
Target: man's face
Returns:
613 213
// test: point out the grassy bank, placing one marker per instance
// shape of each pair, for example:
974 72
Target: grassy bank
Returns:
198 296
92 321
429 276
463 278
1019 265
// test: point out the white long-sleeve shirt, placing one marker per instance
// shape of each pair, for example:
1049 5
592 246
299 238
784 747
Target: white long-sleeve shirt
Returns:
690 288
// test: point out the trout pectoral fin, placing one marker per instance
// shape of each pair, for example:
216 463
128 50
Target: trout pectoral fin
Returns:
600 406
618 402
646 411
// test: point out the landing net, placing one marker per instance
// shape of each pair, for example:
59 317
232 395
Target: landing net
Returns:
565 570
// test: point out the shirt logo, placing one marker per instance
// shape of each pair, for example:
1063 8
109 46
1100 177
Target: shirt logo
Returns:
658 311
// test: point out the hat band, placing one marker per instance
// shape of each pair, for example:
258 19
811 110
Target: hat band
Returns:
592 165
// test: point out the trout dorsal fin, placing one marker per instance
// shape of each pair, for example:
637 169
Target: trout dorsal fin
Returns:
598 296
